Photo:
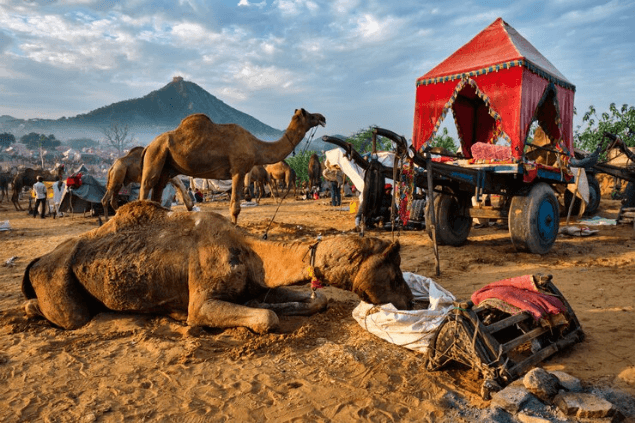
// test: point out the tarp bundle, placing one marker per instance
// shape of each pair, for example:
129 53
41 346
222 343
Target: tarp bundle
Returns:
496 85
84 198
412 329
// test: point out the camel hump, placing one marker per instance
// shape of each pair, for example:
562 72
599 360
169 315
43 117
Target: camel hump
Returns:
196 118
135 150
140 213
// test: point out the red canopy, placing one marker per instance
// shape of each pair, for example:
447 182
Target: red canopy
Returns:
496 85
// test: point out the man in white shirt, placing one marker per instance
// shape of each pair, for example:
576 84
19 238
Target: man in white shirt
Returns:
40 196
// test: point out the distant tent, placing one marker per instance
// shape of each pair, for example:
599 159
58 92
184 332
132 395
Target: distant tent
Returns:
85 198
166 198
88 196
82 169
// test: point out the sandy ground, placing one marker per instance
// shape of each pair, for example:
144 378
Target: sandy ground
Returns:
321 368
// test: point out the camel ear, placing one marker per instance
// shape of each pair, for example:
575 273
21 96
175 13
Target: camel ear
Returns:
392 252
304 113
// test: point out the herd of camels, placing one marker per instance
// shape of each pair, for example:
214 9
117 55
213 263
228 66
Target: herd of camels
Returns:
201 148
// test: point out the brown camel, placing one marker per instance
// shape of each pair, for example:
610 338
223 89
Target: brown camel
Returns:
203 269
281 172
5 180
315 172
204 149
126 170
260 178
27 177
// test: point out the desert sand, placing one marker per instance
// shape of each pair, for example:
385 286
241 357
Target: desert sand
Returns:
323 368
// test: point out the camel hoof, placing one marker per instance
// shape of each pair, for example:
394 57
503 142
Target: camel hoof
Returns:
32 309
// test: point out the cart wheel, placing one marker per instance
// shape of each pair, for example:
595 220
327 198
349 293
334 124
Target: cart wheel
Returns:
534 219
595 195
452 227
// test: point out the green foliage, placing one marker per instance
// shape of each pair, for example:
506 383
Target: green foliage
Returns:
34 141
79 143
444 140
362 141
6 139
300 163
616 121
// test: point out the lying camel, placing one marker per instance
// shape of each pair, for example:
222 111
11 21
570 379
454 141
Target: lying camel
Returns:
204 149
202 269
126 170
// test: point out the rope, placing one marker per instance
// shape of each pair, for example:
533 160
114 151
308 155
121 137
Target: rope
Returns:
310 139
265 236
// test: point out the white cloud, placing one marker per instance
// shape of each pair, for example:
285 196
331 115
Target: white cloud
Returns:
295 7
246 3
258 77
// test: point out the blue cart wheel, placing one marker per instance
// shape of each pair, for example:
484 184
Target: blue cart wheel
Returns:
452 225
534 219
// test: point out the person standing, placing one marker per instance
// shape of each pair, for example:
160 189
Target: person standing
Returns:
332 174
58 191
40 196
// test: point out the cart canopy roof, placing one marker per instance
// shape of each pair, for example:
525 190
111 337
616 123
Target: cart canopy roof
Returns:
496 85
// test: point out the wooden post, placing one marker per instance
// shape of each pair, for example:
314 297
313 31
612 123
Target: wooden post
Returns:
432 218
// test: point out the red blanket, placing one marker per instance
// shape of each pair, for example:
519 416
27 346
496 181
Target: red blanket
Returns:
520 292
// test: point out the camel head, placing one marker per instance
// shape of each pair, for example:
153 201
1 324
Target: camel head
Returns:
380 281
303 119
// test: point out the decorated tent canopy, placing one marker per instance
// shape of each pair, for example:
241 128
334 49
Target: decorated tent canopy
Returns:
496 85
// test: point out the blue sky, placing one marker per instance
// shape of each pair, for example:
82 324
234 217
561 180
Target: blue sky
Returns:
356 62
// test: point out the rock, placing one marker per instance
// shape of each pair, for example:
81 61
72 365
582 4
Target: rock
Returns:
627 375
526 418
541 383
511 399
567 381
583 405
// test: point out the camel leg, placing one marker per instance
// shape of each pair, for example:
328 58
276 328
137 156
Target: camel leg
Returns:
157 190
285 301
59 296
222 314
152 167
237 194
181 192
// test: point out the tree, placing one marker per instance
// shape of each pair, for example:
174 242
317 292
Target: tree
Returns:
6 139
620 122
79 143
300 163
444 140
118 137
362 141
34 140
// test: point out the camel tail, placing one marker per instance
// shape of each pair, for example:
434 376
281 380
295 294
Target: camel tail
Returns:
27 286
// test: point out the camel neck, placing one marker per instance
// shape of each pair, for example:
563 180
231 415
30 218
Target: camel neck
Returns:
288 264
272 152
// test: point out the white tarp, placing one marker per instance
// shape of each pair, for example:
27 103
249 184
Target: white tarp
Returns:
412 329
355 173
216 185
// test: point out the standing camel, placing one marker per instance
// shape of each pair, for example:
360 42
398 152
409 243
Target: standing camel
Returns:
5 179
259 176
27 177
315 172
126 170
281 172
204 149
